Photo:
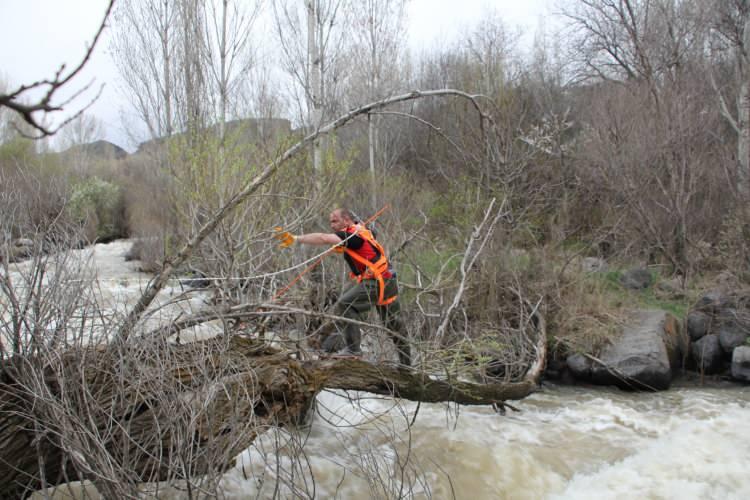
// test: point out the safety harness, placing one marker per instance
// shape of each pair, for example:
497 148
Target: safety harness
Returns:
373 269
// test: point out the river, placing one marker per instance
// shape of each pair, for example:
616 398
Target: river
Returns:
564 443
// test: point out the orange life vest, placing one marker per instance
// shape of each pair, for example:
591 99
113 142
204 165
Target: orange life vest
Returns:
373 269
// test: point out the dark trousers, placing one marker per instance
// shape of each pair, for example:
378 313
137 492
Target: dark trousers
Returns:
354 303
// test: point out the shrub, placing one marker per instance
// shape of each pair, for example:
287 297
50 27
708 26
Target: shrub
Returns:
98 205
734 242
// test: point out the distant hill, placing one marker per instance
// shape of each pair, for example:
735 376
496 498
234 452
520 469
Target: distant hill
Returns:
251 130
100 150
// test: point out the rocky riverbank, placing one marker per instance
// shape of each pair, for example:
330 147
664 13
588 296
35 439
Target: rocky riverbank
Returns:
654 348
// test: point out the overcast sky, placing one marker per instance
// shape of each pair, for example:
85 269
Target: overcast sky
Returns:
37 36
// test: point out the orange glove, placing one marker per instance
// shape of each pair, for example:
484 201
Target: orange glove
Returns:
286 239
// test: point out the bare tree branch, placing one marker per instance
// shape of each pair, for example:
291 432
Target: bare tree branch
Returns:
13 99
484 232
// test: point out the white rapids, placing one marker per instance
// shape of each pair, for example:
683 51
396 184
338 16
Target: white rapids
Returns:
565 443
119 284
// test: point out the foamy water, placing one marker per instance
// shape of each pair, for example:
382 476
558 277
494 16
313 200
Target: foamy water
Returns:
119 284
565 443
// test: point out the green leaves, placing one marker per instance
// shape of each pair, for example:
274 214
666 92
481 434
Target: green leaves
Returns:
96 203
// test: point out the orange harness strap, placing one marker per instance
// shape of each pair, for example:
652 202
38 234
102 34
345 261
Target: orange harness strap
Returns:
375 269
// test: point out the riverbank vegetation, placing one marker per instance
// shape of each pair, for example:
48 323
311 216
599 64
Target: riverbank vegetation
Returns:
526 188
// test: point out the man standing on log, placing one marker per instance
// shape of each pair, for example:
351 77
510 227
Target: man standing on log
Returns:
375 281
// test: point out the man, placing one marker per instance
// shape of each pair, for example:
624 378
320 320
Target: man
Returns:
375 280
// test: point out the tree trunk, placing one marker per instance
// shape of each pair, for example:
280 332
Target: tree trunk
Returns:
371 149
71 415
743 140
167 67
315 82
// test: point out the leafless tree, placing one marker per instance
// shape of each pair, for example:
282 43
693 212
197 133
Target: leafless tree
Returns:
6 128
652 49
492 47
227 54
311 38
633 40
145 46
30 111
84 129
73 138
731 29
198 60
192 77
378 35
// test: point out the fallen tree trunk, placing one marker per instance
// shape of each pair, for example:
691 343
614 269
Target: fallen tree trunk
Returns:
414 386
133 413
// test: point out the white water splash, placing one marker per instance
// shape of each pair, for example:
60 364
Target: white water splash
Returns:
566 443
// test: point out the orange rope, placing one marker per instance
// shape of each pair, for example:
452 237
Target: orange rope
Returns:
320 259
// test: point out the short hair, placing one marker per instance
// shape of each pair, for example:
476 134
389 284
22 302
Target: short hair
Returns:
347 214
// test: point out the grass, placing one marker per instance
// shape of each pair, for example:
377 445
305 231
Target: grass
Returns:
648 297
593 307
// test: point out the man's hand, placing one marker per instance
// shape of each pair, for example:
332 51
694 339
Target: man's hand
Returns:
286 239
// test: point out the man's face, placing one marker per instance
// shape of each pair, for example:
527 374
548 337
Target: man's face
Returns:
338 223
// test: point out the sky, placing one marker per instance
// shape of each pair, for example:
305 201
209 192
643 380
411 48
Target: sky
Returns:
37 36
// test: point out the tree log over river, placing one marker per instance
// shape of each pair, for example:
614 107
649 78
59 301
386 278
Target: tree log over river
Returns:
154 411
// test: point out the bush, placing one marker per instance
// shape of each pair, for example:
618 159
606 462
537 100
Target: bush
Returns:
98 205
734 242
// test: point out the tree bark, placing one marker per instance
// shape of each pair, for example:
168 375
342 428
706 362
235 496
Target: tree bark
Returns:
62 417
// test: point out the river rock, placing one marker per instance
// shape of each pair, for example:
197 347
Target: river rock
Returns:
645 355
708 354
556 369
671 289
196 280
741 363
593 265
18 249
580 366
697 325
731 335
333 342
23 242
711 302
636 279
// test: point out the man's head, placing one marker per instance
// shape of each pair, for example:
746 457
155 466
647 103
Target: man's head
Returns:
340 219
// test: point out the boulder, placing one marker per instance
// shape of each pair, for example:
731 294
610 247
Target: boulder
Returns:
333 342
741 363
18 249
557 369
645 355
697 325
195 280
593 265
708 354
23 242
636 279
711 302
580 366
731 334
724 314
671 288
